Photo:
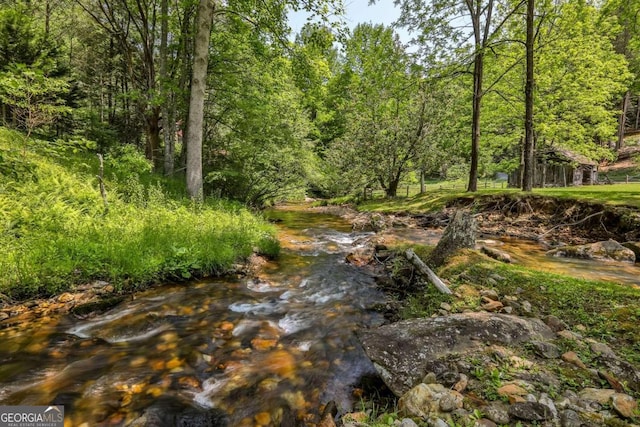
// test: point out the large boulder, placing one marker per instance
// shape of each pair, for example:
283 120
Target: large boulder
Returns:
608 250
403 351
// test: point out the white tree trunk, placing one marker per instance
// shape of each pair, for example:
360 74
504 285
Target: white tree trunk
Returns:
196 102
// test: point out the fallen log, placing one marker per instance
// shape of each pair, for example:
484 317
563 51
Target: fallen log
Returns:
425 271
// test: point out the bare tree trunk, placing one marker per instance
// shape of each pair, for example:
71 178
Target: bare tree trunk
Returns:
152 147
392 190
204 21
638 114
168 120
422 187
622 121
459 234
478 68
527 181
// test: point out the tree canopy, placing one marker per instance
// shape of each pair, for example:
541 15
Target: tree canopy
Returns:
328 111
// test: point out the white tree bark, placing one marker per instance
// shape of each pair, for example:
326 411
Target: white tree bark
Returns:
196 101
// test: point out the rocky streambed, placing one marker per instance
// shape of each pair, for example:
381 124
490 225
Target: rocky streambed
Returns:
488 356
488 368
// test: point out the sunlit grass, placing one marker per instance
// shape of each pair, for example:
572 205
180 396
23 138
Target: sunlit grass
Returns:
435 198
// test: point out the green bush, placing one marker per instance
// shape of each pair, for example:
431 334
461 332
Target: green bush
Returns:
54 232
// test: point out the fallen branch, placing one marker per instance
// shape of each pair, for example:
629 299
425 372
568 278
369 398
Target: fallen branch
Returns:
570 225
424 270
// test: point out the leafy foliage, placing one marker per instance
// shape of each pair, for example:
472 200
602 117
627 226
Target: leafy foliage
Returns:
55 234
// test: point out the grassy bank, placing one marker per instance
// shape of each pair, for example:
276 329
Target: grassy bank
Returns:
435 199
55 231
607 311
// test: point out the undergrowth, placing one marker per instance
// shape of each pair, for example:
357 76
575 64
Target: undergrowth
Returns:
55 230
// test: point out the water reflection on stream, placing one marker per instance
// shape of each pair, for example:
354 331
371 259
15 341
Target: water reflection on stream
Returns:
263 350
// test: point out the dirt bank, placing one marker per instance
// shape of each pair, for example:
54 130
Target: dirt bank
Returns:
533 217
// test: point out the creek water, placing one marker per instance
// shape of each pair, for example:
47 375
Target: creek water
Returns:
262 351
532 254
268 350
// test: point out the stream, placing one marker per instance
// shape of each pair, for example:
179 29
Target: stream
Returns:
245 352
262 351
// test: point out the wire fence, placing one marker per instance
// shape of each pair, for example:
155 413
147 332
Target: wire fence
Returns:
412 189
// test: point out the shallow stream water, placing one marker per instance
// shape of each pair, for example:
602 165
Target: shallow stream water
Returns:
261 351
257 351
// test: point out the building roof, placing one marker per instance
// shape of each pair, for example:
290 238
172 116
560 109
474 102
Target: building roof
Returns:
567 155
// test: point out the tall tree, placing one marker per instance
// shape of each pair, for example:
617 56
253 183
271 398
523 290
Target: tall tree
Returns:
528 151
627 43
436 23
204 21
386 111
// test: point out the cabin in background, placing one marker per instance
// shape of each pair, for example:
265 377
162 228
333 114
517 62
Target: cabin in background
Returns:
559 167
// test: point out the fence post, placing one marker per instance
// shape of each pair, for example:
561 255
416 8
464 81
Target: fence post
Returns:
627 179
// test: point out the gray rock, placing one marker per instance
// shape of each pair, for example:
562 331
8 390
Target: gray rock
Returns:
571 395
437 422
449 378
554 323
491 282
608 250
599 395
526 307
490 293
546 349
450 401
563 402
460 413
496 254
421 400
408 422
401 351
445 306
483 422
622 370
531 411
497 412
545 400
569 418
600 348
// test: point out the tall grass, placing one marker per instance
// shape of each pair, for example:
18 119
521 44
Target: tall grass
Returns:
55 233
